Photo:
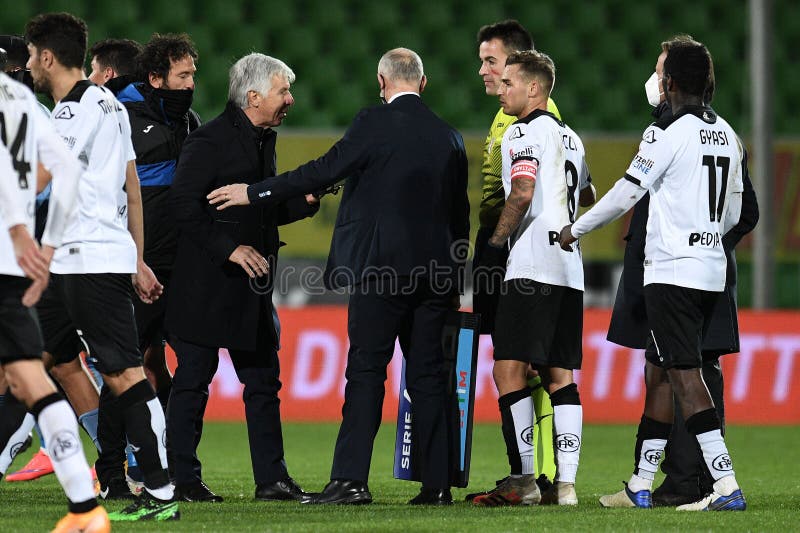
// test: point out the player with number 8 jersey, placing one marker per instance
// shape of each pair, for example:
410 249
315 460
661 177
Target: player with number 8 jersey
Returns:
542 147
540 310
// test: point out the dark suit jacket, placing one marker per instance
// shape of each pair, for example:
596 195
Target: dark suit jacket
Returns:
212 301
404 206
629 326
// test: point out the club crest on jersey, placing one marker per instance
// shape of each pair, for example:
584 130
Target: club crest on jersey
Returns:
65 113
649 137
516 134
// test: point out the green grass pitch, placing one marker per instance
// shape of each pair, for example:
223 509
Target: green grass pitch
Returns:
766 459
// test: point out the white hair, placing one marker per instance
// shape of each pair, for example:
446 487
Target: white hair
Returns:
401 64
254 72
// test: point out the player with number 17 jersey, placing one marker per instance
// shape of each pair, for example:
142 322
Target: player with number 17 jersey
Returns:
691 164
544 147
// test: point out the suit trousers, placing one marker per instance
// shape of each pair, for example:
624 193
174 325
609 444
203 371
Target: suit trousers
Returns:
259 372
377 316
684 466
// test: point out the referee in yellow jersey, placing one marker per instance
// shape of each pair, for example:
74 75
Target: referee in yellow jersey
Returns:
495 43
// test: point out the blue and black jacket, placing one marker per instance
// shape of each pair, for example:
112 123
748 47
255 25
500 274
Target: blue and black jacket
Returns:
157 142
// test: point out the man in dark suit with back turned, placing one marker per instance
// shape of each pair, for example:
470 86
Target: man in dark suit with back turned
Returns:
399 232
221 281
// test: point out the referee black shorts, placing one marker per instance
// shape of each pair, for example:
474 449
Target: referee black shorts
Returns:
539 324
487 281
91 312
679 319
20 336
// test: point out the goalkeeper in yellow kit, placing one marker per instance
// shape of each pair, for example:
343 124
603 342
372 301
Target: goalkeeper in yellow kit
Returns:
495 43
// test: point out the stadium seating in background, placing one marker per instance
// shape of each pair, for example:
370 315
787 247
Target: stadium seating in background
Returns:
603 50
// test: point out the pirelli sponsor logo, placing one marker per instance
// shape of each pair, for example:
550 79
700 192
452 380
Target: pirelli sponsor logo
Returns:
642 164
524 168
525 152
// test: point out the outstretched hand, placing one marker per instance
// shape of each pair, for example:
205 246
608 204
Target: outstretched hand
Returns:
229 196
566 238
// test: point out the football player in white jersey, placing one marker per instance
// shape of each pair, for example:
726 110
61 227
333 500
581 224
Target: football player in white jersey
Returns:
691 164
90 288
540 312
28 139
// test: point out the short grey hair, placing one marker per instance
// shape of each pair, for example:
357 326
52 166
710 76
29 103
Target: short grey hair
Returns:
401 64
254 72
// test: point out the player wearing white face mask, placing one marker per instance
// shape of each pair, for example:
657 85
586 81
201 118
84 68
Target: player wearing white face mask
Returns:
652 87
683 158
686 478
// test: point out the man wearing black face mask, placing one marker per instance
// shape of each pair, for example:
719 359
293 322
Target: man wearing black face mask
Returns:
161 118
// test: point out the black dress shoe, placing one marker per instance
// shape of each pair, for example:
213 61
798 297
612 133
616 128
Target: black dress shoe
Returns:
667 495
432 497
342 491
195 492
666 499
285 489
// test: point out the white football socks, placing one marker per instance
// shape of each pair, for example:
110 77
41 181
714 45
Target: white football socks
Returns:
715 454
60 430
568 428
523 413
15 442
